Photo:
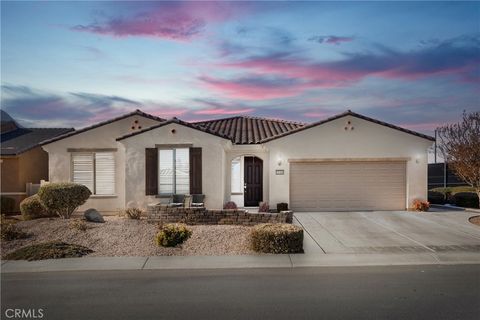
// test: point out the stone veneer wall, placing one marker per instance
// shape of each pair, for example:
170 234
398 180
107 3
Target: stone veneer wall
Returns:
159 213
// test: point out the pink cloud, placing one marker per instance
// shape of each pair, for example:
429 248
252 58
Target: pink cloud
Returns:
458 57
166 20
223 111
318 75
166 112
256 88
320 115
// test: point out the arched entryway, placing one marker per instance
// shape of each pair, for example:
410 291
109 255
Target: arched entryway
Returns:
247 181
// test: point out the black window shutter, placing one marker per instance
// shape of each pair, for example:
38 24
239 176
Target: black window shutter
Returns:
151 171
195 170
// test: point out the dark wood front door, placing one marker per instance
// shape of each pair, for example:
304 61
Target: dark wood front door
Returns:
253 179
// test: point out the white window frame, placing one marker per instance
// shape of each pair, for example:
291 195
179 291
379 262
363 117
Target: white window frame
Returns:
236 189
174 169
94 181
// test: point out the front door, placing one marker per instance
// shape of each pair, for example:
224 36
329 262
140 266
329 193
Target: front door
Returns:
253 179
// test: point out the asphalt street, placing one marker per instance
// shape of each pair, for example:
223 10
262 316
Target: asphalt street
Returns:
387 292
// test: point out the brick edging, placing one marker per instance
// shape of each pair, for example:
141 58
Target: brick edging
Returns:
163 213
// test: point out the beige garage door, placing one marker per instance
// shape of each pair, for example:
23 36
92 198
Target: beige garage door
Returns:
347 185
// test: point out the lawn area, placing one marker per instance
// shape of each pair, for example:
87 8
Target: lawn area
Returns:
119 236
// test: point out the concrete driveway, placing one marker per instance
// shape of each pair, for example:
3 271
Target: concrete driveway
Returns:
389 232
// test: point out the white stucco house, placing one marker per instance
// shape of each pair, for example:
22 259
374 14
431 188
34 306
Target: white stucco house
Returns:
346 162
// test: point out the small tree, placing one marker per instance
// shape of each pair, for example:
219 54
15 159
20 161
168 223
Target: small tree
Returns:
460 146
63 198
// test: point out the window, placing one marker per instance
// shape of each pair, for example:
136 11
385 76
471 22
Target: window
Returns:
236 179
174 171
95 170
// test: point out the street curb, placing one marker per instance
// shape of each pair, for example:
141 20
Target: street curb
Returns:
237 262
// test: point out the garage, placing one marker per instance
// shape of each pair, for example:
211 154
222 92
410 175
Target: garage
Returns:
345 185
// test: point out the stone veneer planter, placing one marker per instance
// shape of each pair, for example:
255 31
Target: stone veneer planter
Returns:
162 213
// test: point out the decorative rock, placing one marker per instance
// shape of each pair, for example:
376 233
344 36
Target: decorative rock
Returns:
93 215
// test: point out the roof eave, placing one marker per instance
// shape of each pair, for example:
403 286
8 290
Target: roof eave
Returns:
100 124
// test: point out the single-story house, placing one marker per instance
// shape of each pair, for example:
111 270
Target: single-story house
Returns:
23 163
346 162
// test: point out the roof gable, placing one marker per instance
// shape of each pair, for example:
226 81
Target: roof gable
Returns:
353 114
173 121
97 125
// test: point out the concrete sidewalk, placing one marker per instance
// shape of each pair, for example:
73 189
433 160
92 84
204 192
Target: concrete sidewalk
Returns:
239 262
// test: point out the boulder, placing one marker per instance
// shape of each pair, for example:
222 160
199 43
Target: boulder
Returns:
93 215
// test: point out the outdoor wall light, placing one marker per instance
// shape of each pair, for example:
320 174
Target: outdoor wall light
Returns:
279 161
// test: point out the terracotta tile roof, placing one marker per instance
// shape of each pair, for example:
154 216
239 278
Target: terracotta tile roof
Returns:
249 130
23 139
353 114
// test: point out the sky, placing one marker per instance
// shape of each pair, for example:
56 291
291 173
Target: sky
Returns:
72 64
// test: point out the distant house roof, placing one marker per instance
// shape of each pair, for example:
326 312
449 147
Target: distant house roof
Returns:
21 140
249 130
353 114
134 113
7 122
176 121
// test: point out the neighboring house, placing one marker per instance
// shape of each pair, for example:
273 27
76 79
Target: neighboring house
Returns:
346 162
23 163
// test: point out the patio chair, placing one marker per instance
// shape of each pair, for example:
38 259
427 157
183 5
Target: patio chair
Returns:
198 200
177 200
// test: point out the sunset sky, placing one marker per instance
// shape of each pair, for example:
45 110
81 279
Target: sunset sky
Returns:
413 64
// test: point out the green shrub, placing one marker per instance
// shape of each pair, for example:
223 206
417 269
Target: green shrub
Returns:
49 250
7 204
32 208
466 199
276 238
172 234
9 231
132 213
63 198
435 197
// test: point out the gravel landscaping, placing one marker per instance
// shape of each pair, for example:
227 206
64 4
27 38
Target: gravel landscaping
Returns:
124 237
475 220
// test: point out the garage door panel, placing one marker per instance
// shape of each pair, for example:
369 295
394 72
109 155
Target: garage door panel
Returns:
339 186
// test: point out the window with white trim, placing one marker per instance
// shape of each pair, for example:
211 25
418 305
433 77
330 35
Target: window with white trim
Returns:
236 178
95 170
174 171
